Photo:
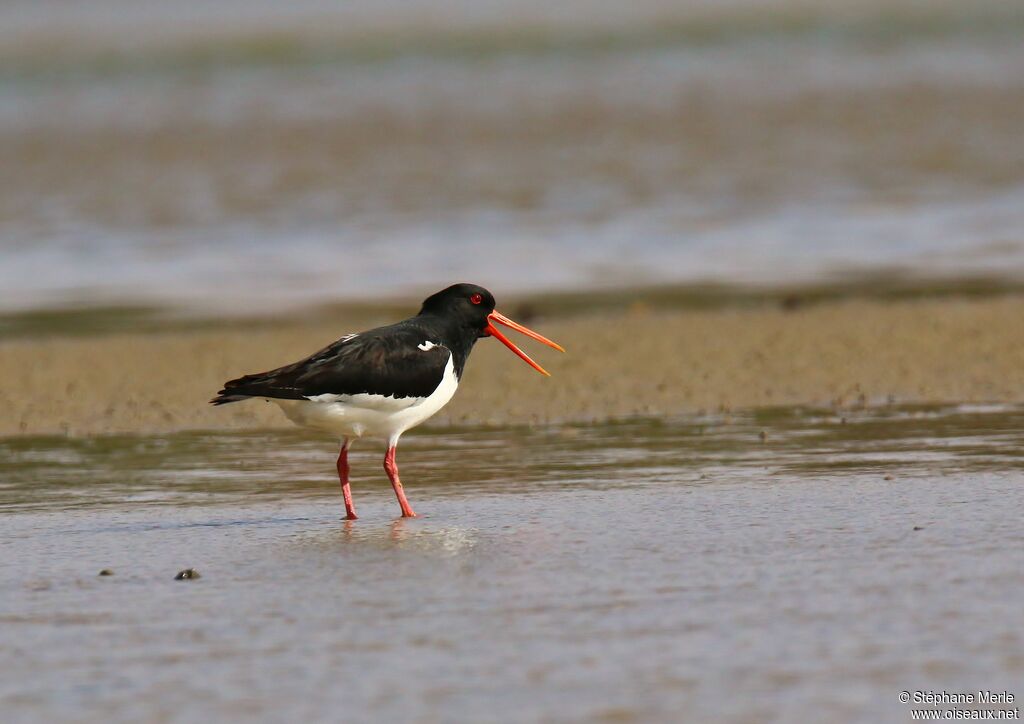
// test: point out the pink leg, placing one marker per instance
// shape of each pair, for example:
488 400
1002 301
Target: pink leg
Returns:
346 489
391 468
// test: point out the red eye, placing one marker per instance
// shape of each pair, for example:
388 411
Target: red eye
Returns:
476 298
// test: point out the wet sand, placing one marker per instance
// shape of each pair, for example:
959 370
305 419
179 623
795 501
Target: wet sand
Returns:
639 361
646 571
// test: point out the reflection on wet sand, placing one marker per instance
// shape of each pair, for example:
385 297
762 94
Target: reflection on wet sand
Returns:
435 539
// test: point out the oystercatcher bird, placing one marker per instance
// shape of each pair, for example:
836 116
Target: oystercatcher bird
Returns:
381 382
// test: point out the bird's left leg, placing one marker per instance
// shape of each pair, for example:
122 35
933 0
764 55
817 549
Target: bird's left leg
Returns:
346 489
391 468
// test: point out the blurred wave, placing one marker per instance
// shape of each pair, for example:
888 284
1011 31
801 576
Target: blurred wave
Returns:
249 155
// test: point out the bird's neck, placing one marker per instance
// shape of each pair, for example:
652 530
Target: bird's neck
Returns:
453 334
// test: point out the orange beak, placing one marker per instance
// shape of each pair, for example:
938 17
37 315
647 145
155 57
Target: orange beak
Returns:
500 318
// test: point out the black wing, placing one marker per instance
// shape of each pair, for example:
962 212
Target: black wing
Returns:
388 361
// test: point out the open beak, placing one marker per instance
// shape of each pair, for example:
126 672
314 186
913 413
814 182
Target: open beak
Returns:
500 318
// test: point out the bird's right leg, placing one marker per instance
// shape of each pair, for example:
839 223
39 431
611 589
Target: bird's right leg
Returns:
391 468
346 489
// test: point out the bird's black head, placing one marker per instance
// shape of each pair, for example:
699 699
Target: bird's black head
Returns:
468 305
465 312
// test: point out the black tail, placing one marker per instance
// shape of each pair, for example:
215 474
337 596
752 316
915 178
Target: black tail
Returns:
224 397
263 384
240 389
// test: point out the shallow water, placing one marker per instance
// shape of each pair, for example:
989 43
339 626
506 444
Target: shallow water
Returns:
646 570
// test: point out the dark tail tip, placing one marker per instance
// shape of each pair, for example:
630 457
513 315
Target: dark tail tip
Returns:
224 397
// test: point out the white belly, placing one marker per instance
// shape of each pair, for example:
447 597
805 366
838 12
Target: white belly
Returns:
370 415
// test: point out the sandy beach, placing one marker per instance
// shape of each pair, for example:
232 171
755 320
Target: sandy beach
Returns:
638 361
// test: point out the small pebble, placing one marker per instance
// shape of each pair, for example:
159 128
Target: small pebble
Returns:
887 477
918 527
763 435
106 572
187 574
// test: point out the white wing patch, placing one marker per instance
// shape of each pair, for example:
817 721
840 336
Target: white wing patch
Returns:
348 337
428 345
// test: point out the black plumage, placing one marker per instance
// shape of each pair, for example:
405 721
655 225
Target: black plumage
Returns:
391 361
